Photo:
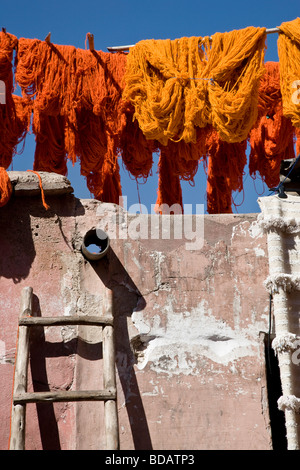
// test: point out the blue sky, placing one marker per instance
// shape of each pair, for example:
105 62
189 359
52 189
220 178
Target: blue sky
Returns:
117 22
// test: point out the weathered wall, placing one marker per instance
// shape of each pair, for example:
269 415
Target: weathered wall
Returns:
190 361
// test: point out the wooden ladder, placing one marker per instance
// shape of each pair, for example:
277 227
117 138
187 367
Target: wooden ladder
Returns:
20 395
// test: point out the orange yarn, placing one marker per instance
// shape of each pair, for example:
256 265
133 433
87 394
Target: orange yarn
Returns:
289 60
5 187
101 119
169 189
50 152
178 161
236 62
46 75
77 105
136 151
226 164
297 133
13 122
41 188
177 86
271 139
13 119
192 99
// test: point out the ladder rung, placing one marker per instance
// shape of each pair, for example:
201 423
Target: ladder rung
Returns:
59 396
67 320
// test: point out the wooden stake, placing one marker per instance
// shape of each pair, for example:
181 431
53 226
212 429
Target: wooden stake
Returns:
48 38
91 41
18 416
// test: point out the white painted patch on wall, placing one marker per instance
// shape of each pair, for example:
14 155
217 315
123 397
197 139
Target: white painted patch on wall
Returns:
7 356
255 230
2 352
259 252
189 339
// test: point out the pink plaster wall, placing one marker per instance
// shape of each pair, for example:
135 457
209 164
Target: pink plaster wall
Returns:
190 362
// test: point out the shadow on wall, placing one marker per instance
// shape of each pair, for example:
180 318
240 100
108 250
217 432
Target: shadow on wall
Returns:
39 351
17 250
17 247
126 298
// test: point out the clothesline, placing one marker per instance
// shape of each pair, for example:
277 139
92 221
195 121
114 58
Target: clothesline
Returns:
126 48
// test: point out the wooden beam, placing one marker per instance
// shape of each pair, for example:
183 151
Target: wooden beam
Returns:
65 396
66 320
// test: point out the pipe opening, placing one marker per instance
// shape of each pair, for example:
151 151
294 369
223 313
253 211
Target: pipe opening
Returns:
95 244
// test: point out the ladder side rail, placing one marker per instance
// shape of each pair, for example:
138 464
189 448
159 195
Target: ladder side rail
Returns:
109 378
18 412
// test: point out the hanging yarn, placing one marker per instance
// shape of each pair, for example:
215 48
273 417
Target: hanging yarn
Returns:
13 122
100 120
76 99
136 151
236 61
46 206
178 85
187 156
169 196
271 139
46 75
297 134
13 115
191 99
50 152
156 82
289 61
5 187
182 161
226 162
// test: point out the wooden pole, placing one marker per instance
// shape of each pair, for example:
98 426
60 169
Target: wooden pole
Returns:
109 378
91 41
48 38
126 48
18 413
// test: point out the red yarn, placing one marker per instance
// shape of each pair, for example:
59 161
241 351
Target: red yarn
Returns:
169 190
5 187
77 105
226 162
271 139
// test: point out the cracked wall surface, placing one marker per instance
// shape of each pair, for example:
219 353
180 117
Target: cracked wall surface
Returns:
189 358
